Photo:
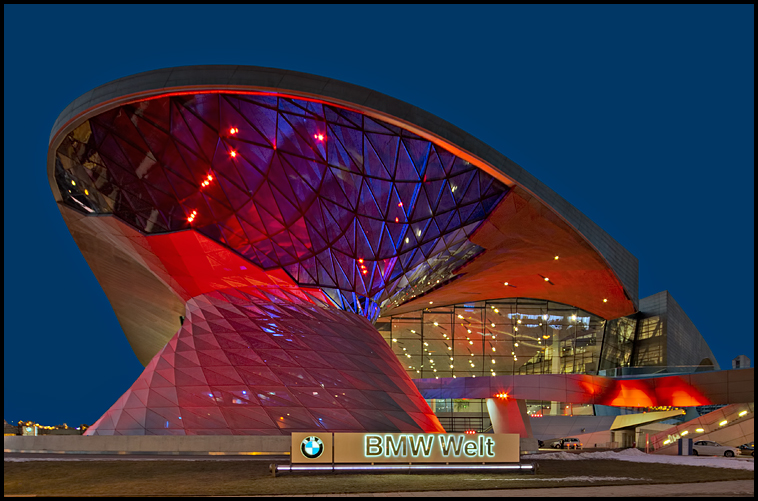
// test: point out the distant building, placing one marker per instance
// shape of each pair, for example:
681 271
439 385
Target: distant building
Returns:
9 429
741 362
59 431
30 428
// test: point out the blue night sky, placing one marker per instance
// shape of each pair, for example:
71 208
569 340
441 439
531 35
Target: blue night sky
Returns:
641 117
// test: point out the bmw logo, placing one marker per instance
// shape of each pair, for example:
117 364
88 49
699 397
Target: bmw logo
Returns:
311 447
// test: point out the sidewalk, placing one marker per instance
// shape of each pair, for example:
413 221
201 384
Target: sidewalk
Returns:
743 488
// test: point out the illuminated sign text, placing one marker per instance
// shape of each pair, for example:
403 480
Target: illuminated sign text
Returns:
420 446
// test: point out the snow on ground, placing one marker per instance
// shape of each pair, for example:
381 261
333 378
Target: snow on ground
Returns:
563 479
637 455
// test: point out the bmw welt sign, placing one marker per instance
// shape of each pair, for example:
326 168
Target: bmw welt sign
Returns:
354 448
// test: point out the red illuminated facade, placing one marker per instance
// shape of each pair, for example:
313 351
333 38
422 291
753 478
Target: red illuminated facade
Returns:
689 390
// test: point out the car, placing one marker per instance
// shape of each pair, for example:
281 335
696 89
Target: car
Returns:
711 448
567 443
747 449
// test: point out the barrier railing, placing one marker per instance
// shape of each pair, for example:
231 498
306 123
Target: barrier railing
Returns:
654 370
455 424
703 425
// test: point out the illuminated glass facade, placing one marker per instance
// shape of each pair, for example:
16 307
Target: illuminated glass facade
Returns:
531 336
369 212
507 336
526 336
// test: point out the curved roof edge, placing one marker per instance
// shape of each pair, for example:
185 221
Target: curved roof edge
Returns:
237 78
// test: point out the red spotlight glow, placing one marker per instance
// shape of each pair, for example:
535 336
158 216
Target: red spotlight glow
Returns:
320 137
360 260
234 153
365 271
233 130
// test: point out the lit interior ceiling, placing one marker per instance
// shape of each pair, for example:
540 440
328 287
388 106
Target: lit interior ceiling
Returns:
530 252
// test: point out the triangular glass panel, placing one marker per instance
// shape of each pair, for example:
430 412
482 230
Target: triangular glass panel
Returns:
373 233
371 125
419 152
262 119
257 376
182 135
330 190
405 170
342 116
461 183
406 193
247 417
373 166
446 202
350 184
338 155
206 135
381 190
386 148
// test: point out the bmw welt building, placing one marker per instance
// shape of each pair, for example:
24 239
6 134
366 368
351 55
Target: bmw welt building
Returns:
288 253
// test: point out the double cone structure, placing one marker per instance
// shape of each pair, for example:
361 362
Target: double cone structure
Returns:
257 361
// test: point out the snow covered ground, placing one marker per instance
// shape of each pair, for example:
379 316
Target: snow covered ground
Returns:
562 479
640 457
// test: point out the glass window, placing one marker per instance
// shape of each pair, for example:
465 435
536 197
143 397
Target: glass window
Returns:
509 336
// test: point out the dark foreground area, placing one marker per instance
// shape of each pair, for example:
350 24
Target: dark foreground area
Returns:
210 477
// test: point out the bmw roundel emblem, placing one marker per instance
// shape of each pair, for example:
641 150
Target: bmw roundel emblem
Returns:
311 447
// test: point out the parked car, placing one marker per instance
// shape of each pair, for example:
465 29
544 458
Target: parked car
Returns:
747 449
711 448
567 443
